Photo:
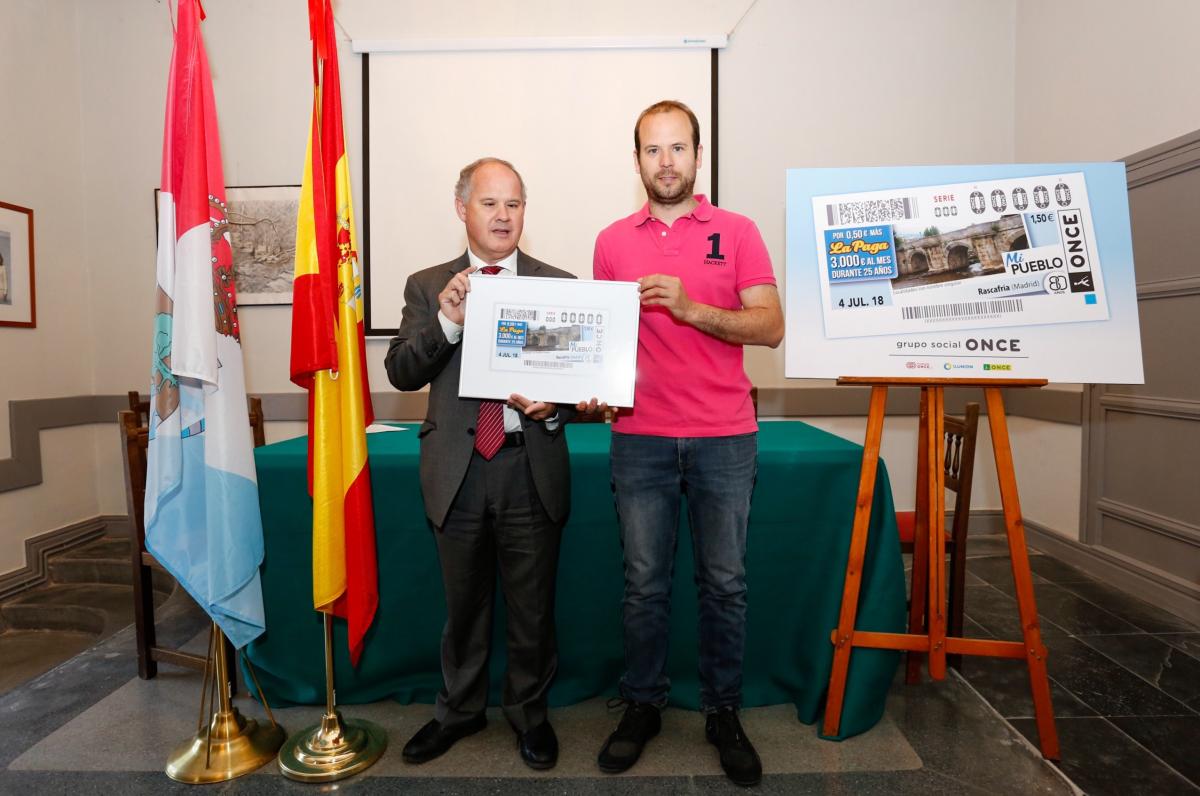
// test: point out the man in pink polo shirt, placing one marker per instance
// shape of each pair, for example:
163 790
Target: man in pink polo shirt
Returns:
707 289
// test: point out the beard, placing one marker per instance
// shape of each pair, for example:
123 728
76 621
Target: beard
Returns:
681 191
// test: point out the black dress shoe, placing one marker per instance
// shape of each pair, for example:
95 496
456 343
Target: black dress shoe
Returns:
738 758
539 746
434 739
640 723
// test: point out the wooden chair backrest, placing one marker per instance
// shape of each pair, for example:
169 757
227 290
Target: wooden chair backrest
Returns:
141 409
135 438
959 463
257 421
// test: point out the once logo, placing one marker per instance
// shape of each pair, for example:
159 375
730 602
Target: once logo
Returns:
1073 242
987 344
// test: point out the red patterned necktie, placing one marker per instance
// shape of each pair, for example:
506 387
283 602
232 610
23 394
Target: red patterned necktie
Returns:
489 428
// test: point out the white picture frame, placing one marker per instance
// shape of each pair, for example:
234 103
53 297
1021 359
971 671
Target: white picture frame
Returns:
555 340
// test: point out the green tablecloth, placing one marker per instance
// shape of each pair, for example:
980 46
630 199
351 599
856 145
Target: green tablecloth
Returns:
798 545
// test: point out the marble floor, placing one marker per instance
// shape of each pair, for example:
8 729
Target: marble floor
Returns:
1125 675
1125 687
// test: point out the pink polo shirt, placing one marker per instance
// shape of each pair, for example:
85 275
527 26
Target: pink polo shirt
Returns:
689 384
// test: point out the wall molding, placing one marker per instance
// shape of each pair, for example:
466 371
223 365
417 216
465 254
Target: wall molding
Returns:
1182 408
38 550
1165 160
1160 524
982 522
1168 288
28 418
1158 588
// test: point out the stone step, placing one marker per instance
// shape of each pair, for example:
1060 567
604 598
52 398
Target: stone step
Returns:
34 616
106 547
100 609
112 571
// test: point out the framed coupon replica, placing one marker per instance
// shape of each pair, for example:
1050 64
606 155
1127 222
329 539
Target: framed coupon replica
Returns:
1003 271
557 340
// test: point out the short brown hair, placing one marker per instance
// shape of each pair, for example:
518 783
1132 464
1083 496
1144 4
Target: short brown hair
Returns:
462 188
666 106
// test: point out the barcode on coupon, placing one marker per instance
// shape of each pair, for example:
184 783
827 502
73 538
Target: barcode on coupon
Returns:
542 363
510 314
959 309
873 211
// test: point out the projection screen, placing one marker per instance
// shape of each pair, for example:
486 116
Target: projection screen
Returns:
563 117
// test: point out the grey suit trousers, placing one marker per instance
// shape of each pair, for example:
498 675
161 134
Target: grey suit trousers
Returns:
497 520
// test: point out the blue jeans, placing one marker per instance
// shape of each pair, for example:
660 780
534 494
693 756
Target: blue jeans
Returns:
650 475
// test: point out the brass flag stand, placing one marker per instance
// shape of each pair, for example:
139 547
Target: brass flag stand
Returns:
227 745
336 748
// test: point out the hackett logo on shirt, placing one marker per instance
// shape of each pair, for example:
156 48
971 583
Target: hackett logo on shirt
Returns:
714 256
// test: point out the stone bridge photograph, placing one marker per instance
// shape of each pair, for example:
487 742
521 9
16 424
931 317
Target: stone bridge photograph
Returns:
933 256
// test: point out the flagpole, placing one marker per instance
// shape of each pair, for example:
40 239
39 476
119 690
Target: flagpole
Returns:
327 340
335 748
229 745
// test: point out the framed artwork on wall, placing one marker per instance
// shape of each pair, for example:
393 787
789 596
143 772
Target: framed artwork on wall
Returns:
18 306
262 235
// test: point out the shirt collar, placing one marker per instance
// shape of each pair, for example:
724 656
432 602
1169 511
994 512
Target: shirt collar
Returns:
509 263
702 212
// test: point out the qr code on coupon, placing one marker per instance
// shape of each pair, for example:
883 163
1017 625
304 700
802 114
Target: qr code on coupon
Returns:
873 211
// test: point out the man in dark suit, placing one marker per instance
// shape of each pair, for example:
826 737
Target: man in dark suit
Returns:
496 482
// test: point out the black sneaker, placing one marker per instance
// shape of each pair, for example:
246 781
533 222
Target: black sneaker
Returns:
640 723
738 758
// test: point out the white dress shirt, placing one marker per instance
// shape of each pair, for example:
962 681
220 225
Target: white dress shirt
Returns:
454 331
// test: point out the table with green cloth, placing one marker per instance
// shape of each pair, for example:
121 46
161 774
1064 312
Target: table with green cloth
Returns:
799 541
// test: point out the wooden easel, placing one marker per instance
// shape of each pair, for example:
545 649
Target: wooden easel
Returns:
927 612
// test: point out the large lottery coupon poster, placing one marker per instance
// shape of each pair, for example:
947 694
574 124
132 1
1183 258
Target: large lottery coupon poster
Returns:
1005 271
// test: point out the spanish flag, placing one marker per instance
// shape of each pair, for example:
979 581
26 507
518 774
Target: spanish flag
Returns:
329 356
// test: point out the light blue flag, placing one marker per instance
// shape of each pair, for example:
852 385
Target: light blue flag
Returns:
202 515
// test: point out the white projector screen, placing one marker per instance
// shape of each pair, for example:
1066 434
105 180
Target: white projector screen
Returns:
564 118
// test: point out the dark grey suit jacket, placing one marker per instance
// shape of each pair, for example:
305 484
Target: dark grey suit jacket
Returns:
420 354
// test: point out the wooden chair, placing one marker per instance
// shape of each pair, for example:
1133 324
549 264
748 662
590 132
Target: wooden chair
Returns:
140 407
959 465
258 421
754 399
135 437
